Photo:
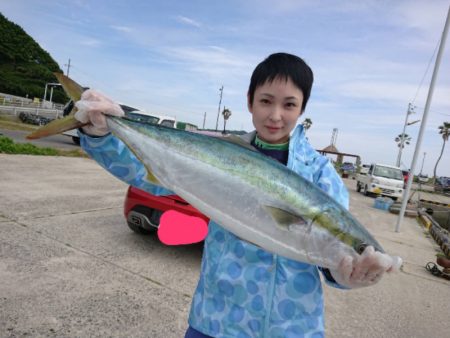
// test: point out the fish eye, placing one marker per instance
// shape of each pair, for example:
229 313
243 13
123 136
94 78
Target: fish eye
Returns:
361 247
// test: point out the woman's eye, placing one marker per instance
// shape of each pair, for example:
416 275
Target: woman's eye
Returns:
291 105
264 101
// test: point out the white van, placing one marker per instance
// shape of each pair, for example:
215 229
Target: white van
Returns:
383 179
136 115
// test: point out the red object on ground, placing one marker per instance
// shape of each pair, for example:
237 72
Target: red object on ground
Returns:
176 228
143 212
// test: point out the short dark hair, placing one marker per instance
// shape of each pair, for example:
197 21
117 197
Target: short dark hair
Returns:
283 66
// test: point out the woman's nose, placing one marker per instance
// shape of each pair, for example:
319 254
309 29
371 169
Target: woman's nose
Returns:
276 113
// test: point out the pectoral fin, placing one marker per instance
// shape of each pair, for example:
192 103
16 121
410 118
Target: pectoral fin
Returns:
285 219
152 179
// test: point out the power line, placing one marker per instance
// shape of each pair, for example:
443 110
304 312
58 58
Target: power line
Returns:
433 111
426 71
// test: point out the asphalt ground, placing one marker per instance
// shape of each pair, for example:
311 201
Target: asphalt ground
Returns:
56 141
70 267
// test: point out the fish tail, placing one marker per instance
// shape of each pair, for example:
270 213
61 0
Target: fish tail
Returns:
57 126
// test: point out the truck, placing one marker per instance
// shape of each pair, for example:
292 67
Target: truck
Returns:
381 179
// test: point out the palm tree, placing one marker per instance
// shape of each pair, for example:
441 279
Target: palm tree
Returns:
307 123
444 130
402 140
226 115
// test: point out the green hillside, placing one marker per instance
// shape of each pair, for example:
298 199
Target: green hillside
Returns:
25 67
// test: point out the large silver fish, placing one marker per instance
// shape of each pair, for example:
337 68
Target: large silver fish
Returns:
256 198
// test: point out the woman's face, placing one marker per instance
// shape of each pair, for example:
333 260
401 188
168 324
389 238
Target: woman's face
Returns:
275 110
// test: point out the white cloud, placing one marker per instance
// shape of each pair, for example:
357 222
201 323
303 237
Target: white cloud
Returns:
90 42
124 29
188 21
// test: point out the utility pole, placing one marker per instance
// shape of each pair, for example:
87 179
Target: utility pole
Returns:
423 161
204 120
68 68
424 120
218 111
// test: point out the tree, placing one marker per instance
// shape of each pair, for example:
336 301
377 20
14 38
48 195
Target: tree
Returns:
402 140
226 115
444 130
307 123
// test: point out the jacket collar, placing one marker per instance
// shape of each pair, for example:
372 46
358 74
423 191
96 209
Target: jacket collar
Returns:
297 135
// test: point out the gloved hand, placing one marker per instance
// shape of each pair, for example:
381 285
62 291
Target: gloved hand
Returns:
365 270
92 108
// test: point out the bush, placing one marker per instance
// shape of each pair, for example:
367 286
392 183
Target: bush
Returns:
7 146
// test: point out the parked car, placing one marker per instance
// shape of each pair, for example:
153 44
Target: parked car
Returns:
364 169
442 184
383 179
348 167
130 112
143 210
422 178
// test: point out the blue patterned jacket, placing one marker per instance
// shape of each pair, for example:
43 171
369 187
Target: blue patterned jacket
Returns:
244 291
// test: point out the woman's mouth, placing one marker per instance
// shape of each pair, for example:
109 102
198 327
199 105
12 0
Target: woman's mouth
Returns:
272 129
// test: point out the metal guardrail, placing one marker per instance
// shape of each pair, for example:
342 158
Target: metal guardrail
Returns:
16 110
18 101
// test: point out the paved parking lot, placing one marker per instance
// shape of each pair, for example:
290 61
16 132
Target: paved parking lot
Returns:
69 265
55 141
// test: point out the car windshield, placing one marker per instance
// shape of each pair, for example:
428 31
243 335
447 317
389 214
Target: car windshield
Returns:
143 118
387 172
168 123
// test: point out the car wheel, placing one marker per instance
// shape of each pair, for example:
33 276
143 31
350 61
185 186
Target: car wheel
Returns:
358 187
140 230
366 193
76 140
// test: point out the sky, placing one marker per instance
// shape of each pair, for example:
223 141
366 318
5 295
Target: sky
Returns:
370 58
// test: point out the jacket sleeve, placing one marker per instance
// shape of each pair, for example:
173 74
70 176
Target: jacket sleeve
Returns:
114 156
329 181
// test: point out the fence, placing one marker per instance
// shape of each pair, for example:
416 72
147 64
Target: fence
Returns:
18 101
16 110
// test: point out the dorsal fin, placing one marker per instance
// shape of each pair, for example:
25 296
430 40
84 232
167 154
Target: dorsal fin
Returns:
237 140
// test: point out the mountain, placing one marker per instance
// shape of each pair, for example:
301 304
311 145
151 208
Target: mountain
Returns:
25 67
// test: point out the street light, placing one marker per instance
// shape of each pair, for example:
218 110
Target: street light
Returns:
49 84
402 138
413 122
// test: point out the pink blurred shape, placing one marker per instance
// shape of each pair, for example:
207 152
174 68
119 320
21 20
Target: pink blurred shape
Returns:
176 228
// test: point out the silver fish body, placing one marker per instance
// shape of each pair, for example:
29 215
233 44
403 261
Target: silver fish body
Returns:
254 197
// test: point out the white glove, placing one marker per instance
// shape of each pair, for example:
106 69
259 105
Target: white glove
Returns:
92 108
365 270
